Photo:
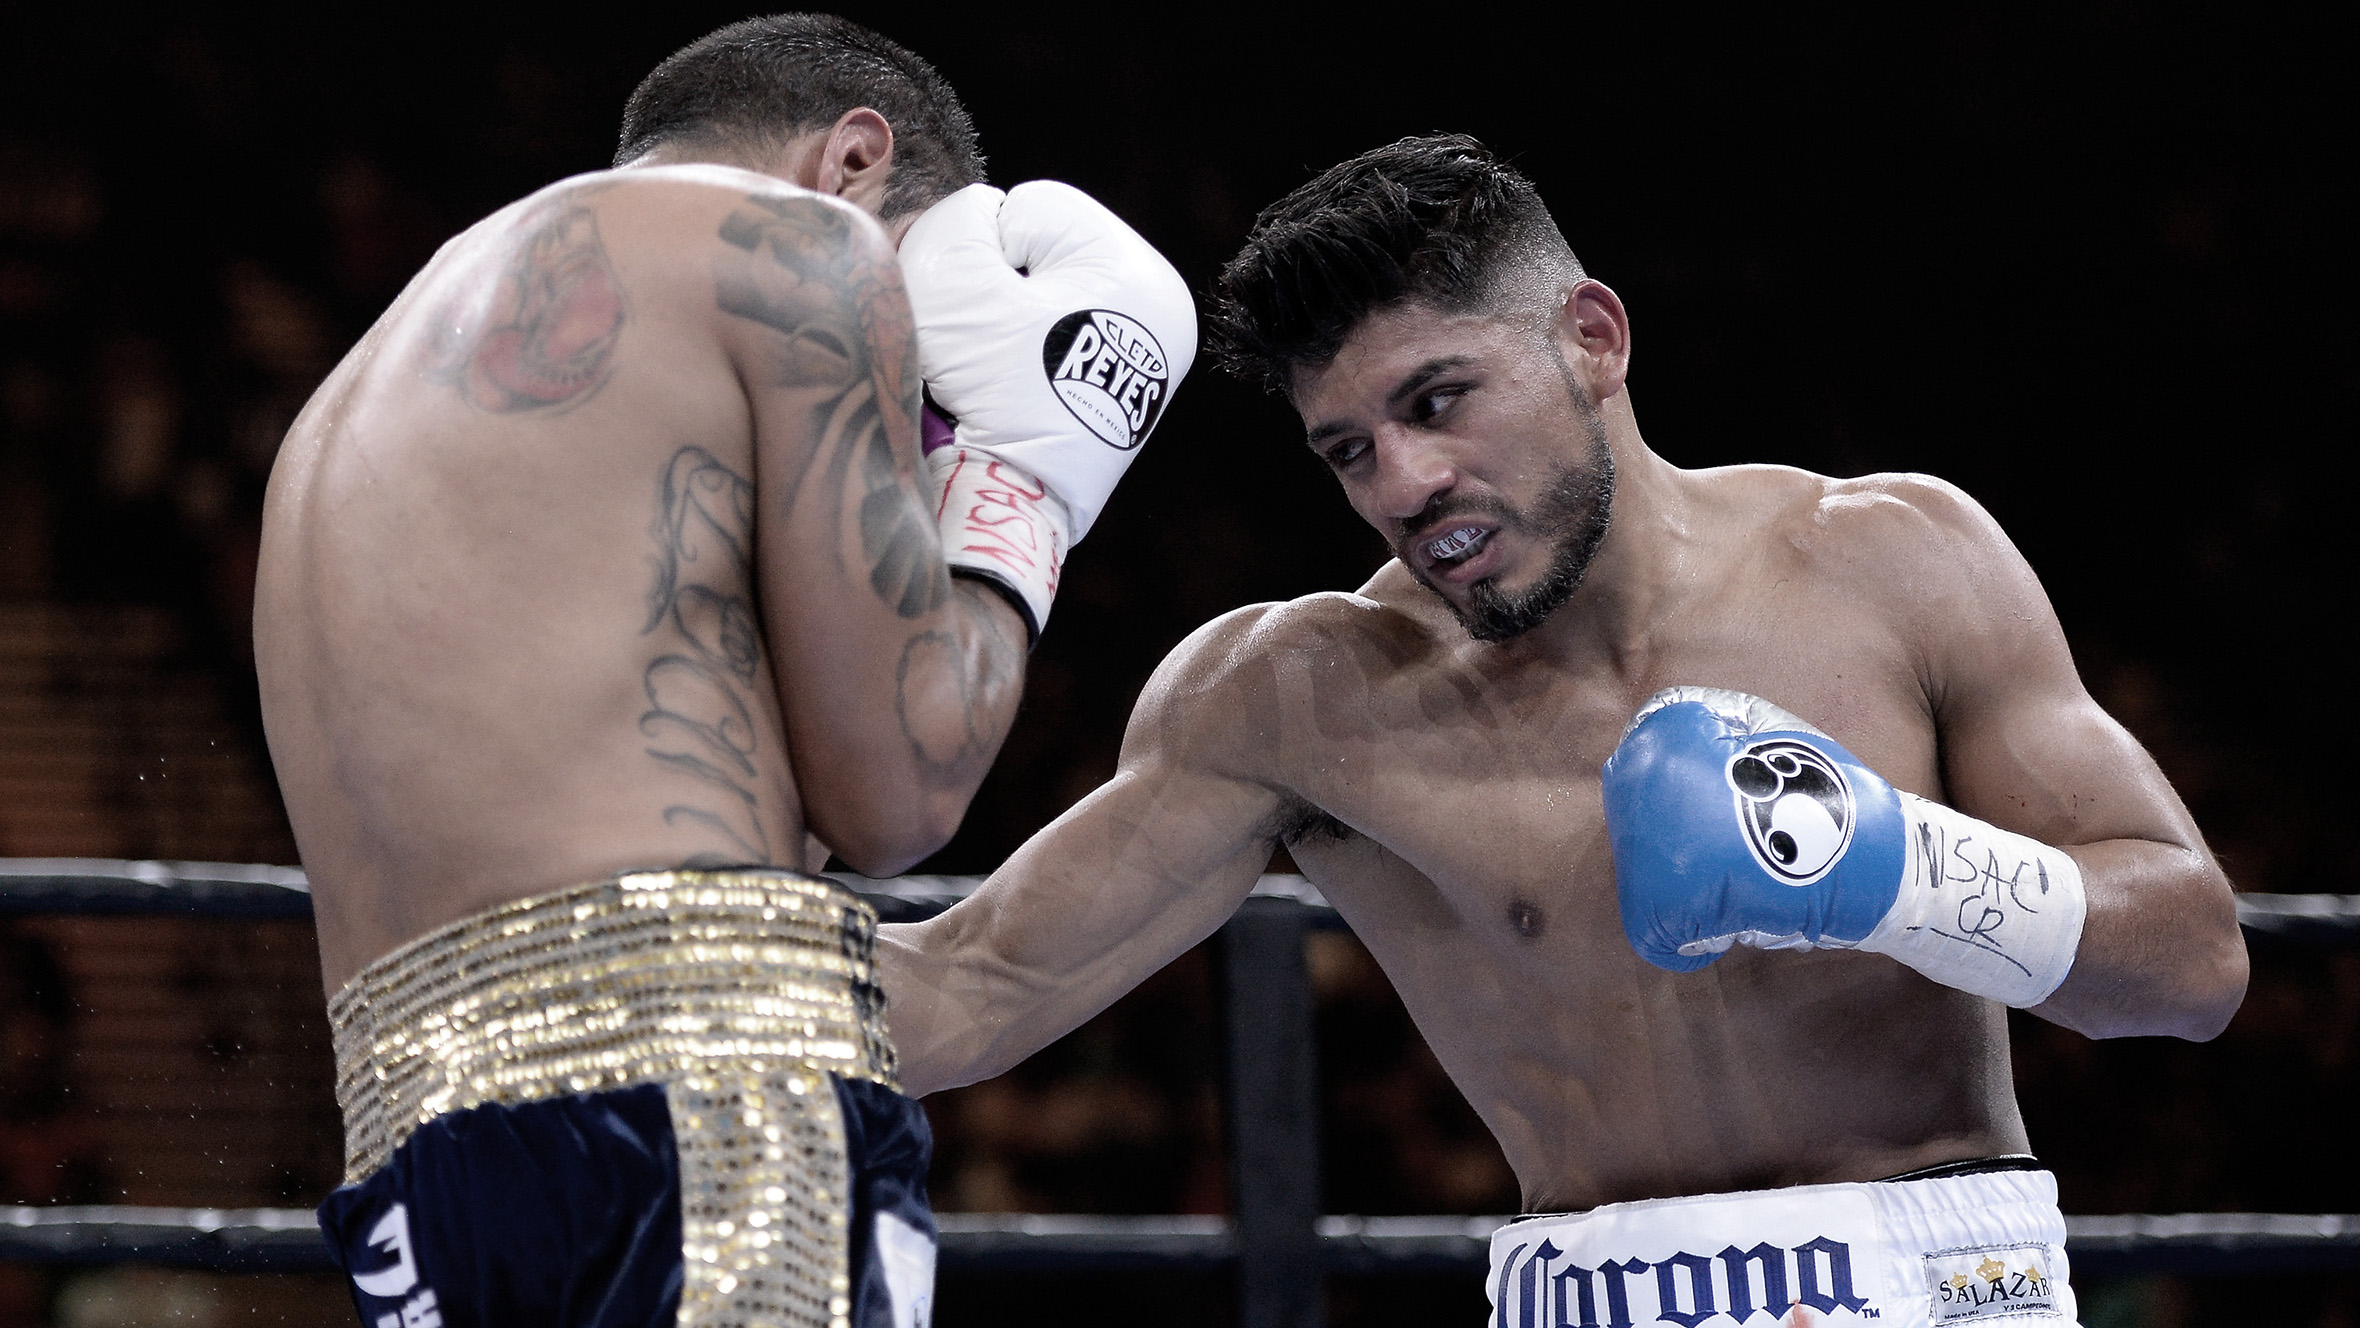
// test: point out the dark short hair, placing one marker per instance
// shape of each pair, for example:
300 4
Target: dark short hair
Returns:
753 85
1436 219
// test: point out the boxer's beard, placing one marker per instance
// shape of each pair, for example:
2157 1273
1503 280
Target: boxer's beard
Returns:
1572 513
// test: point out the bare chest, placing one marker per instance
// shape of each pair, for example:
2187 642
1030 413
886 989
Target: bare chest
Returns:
1461 800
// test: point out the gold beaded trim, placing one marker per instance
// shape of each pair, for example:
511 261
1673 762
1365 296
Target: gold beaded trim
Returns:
739 991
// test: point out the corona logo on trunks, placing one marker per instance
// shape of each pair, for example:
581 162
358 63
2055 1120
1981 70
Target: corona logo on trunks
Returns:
1795 807
1110 372
1541 1286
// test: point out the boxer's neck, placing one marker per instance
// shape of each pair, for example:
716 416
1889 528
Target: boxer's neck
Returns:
813 161
1657 554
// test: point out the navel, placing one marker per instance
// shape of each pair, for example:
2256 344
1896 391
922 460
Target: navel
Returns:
1526 919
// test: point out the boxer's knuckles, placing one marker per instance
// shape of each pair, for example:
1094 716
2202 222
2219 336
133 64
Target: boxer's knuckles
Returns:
1725 833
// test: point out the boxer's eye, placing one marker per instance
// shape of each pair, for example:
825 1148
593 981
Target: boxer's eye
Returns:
1430 405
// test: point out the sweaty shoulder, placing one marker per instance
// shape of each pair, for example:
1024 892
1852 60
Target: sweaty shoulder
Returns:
1222 698
1914 550
682 230
1911 535
1885 534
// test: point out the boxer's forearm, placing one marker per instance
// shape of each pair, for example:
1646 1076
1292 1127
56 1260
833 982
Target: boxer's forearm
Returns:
932 1037
1123 883
959 687
959 1012
956 685
2160 953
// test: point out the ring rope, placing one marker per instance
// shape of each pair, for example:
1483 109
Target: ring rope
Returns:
288 1239
247 890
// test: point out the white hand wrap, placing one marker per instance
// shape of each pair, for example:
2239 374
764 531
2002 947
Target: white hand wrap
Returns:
1000 523
1054 336
1982 909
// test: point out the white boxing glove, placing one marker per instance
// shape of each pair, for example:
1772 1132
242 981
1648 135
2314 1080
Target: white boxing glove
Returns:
1054 336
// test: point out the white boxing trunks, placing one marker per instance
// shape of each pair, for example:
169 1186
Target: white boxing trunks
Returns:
1986 1247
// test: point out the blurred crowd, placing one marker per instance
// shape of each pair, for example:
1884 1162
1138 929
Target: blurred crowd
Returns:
145 394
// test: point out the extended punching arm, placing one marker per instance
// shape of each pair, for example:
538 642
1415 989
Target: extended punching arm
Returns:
1127 879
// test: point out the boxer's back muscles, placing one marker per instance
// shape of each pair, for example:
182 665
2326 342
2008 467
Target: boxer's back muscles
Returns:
605 549
1444 794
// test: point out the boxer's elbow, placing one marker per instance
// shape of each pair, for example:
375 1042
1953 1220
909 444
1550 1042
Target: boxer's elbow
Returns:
2214 990
907 817
889 849
2207 972
2203 997
888 836
2192 995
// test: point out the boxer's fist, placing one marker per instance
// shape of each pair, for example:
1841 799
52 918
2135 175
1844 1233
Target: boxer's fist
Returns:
1053 336
1734 822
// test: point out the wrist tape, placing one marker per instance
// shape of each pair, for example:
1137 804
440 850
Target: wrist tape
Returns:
1001 525
1982 909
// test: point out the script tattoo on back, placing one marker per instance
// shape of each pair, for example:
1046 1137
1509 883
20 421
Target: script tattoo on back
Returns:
545 339
700 716
792 264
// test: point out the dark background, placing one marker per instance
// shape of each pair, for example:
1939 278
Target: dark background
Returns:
2091 261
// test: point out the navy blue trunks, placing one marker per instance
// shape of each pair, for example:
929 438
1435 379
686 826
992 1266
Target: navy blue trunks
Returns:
566 1211
662 1098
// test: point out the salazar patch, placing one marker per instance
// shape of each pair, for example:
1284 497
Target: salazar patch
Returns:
1993 1282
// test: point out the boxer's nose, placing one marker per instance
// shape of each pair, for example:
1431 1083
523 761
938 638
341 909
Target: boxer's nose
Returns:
1412 471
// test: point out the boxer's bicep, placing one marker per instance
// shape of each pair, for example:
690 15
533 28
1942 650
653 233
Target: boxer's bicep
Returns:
2026 747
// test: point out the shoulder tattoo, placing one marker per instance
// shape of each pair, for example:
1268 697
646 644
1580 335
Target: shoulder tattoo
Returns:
546 337
841 330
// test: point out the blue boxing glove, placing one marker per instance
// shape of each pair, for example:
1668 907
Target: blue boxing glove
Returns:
1735 823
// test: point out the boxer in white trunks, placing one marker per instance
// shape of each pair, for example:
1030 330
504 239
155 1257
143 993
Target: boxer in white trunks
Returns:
1730 991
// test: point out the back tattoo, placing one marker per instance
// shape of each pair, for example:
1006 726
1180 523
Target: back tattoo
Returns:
545 339
700 716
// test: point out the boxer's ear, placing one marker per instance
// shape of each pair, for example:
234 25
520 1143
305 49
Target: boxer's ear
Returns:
857 159
1594 334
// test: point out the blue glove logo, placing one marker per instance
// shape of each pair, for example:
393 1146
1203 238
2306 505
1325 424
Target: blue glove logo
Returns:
1795 807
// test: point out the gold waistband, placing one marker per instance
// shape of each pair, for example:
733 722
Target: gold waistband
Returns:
650 977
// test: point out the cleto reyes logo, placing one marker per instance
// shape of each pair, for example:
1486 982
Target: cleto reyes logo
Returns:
1110 372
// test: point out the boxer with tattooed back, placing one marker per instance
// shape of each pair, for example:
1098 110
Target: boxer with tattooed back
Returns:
605 587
